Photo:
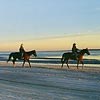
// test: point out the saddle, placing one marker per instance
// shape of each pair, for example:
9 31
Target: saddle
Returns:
74 56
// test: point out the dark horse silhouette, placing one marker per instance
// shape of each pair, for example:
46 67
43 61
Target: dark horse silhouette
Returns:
17 55
69 55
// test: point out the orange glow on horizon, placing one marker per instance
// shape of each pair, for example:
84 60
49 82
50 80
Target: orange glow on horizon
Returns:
63 43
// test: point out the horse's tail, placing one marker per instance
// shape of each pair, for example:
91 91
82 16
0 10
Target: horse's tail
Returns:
62 59
9 57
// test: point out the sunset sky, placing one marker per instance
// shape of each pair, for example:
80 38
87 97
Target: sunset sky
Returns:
49 24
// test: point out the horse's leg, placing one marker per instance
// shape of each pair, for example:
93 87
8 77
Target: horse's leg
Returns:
77 63
82 64
29 63
62 62
23 63
14 62
62 65
67 63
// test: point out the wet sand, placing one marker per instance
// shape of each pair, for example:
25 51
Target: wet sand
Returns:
86 68
49 82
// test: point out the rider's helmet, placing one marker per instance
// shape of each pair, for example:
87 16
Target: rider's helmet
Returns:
74 43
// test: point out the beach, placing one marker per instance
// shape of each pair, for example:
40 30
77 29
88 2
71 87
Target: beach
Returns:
49 82
39 39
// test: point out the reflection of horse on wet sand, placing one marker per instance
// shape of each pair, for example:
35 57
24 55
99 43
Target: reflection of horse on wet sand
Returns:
66 56
17 55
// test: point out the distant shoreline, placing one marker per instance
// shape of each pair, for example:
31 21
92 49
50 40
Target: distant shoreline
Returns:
51 50
62 50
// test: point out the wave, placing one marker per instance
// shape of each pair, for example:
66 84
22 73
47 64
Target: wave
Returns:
54 57
56 61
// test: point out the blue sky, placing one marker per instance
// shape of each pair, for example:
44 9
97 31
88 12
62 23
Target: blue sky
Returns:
27 20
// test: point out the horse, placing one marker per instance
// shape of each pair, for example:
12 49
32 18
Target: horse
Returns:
17 55
69 55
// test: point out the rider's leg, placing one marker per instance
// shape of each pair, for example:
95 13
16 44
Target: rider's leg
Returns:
76 56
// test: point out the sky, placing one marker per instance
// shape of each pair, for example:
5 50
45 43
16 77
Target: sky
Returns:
49 24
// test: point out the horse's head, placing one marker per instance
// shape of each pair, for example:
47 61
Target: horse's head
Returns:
83 51
34 53
87 51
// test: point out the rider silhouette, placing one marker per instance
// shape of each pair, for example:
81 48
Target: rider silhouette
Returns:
21 50
75 50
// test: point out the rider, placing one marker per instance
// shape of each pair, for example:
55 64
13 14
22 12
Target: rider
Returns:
75 50
21 50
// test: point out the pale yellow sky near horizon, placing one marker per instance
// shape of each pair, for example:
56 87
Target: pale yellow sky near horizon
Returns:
49 24
58 43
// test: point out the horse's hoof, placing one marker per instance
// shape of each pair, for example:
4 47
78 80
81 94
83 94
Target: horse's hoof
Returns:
61 66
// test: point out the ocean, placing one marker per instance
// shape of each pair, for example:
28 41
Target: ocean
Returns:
54 57
40 83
